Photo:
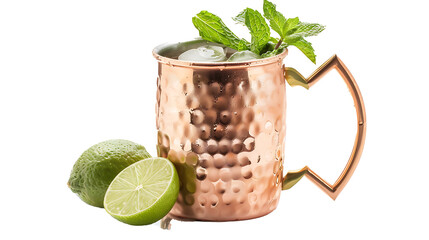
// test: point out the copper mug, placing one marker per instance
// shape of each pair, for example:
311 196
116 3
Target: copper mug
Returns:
223 126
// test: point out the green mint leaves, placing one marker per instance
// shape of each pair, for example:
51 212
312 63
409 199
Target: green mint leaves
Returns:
213 29
291 31
259 29
276 19
241 17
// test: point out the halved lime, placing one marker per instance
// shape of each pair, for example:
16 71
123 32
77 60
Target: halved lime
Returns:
144 192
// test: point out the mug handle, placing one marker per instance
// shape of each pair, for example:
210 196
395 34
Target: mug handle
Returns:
295 78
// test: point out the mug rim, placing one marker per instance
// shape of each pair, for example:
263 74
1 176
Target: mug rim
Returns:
175 62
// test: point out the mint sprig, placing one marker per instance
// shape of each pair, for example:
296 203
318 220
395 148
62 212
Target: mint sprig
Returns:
291 31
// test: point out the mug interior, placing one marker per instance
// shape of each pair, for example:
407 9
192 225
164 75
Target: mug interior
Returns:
169 52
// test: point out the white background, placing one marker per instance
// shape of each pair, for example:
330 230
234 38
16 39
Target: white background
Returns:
74 73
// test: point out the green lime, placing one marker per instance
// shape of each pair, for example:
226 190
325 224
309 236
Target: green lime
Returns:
144 192
96 167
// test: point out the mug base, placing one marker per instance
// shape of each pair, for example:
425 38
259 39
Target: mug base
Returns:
192 219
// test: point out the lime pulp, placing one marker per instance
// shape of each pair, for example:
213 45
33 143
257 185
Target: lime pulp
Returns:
144 192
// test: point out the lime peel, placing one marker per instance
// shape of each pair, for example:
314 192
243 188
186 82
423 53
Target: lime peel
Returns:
98 166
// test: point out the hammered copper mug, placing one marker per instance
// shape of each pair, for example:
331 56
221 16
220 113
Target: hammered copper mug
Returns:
223 126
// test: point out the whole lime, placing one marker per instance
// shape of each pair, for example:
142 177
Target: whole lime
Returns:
98 166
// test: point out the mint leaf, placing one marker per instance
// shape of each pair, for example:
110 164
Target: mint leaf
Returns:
243 45
303 29
212 28
269 53
296 31
277 20
241 18
270 46
259 33
274 40
259 30
272 52
290 25
305 48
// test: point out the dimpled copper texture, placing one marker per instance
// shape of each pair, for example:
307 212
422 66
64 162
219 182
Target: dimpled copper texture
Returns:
223 126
